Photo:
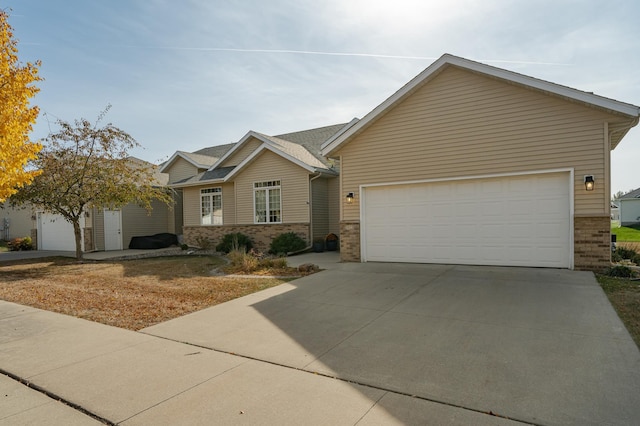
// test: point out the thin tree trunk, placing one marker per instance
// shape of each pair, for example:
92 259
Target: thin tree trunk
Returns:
78 235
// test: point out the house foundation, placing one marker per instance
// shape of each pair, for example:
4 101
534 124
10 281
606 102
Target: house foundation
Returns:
261 235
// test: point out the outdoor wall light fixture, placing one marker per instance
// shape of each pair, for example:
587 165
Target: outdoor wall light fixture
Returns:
350 198
589 182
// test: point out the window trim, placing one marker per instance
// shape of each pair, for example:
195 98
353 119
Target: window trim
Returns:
211 195
267 189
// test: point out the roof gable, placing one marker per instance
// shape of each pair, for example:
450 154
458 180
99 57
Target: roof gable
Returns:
303 146
198 161
631 112
255 154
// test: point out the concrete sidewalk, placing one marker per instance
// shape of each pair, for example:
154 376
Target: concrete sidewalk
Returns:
129 378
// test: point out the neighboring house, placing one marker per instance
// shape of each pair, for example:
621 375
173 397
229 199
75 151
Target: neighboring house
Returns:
261 186
112 229
102 229
630 208
472 164
15 222
615 213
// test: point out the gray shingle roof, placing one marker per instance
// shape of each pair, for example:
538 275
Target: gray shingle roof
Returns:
313 139
215 151
204 160
296 151
632 194
303 146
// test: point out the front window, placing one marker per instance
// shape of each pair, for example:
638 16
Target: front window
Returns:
266 197
211 206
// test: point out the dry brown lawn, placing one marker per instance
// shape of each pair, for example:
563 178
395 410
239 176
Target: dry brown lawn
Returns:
131 294
624 295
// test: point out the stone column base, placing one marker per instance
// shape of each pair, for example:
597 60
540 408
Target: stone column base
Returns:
592 243
350 241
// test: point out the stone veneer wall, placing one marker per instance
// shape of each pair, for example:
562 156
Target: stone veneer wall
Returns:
350 241
592 243
261 235
88 239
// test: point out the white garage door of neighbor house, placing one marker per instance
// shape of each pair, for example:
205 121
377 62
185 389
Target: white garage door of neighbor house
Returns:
509 221
55 233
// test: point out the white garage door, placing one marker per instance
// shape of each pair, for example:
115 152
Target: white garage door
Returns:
55 233
511 221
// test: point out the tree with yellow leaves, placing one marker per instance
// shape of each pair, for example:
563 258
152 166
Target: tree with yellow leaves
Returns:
16 116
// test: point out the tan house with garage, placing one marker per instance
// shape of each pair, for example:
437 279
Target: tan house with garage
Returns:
261 186
472 164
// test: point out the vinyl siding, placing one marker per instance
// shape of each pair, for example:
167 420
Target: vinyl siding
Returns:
191 204
242 153
334 198
465 124
176 219
629 211
320 208
136 222
228 203
181 169
18 221
294 188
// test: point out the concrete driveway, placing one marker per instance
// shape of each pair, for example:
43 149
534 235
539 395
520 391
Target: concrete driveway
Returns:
538 346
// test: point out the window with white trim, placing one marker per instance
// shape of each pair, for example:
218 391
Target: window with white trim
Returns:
267 205
211 206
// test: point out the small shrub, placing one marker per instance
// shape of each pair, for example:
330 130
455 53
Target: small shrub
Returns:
184 246
279 263
620 272
20 244
622 253
287 243
234 241
615 257
241 261
203 242
250 263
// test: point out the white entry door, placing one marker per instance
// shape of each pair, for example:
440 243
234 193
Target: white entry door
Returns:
112 229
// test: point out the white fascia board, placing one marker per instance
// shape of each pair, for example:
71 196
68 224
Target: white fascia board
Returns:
188 184
564 91
261 148
338 134
184 157
237 145
169 161
447 59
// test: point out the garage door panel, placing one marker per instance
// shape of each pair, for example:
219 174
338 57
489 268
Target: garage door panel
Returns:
55 233
520 220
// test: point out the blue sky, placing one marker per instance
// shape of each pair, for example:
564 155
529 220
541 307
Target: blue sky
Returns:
189 74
